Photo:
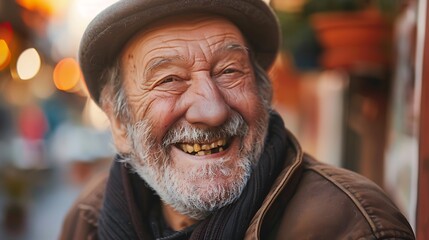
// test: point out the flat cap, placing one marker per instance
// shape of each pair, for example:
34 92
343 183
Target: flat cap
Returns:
109 31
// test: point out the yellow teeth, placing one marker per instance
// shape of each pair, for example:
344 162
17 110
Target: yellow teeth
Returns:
197 147
189 148
203 149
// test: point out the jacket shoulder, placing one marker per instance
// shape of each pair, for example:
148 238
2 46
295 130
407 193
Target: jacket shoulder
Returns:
334 203
81 220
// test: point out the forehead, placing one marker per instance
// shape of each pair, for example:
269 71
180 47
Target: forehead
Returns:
207 32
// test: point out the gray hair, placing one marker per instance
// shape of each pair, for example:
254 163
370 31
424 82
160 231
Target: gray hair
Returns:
113 93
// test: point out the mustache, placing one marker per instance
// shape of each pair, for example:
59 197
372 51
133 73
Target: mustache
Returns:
184 132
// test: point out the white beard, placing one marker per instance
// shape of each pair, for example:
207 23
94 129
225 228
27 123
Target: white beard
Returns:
179 188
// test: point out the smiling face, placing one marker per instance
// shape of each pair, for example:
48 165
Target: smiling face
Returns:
197 123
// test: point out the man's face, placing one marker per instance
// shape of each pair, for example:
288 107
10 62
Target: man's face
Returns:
197 123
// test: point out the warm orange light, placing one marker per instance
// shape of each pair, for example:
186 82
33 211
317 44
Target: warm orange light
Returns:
49 7
67 74
4 54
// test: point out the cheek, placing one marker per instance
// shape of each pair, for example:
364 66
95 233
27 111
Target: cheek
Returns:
161 112
245 100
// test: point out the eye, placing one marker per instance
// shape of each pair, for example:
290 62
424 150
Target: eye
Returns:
171 82
229 71
169 79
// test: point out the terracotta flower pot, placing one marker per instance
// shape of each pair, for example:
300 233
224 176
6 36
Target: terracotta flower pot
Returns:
352 38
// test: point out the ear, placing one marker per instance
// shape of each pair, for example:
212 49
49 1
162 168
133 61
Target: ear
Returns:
119 131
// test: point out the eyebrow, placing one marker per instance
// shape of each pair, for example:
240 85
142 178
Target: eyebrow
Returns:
159 62
233 47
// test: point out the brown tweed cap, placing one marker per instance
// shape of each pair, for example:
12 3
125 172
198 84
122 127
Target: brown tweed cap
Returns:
106 35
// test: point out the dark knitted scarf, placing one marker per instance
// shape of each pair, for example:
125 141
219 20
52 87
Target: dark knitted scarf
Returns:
123 218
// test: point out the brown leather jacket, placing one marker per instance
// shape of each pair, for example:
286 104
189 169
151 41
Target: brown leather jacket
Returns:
309 200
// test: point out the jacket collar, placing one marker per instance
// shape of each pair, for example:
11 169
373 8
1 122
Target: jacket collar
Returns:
291 173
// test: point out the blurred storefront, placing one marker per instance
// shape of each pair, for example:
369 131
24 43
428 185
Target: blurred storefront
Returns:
349 85
52 137
348 82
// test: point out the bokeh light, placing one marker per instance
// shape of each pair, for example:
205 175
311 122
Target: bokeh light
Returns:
48 7
4 54
28 64
67 74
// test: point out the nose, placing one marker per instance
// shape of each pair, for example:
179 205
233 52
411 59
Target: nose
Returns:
207 104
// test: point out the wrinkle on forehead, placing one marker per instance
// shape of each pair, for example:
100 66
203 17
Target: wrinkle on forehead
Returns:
185 39
163 31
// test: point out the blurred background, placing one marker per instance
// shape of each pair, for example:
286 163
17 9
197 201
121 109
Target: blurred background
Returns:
348 83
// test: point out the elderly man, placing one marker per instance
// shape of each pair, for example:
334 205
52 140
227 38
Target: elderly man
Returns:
201 155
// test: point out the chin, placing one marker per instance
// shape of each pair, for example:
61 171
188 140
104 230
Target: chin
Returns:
199 190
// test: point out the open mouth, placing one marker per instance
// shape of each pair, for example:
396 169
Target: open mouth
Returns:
204 149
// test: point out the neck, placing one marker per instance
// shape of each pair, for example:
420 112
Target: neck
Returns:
176 220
